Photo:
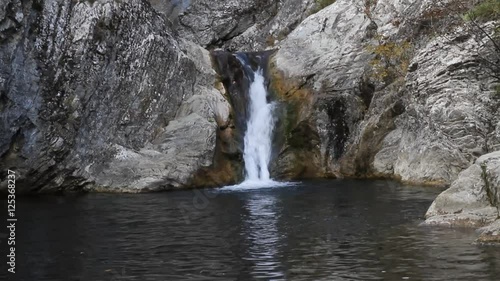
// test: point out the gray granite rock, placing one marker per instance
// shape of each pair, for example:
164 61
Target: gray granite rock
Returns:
244 25
473 199
326 54
450 114
83 82
490 234
184 146
424 128
90 89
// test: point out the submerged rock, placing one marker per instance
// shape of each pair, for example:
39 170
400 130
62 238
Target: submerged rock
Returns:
490 233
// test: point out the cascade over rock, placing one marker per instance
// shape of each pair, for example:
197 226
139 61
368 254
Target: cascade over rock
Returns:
245 77
258 136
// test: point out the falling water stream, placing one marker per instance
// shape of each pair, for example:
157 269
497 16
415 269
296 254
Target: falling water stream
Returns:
259 132
258 137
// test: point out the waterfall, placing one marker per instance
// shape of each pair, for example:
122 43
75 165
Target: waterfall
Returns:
257 114
258 136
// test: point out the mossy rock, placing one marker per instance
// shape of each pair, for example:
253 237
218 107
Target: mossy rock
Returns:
299 156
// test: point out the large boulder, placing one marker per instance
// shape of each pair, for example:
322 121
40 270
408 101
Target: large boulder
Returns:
100 95
473 199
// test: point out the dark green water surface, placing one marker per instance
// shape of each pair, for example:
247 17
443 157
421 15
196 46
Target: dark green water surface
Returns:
315 230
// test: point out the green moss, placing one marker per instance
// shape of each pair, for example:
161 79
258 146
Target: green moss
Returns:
294 127
391 60
490 191
294 98
496 91
485 11
321 4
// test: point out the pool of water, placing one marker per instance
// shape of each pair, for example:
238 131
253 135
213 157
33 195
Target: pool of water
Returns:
315 230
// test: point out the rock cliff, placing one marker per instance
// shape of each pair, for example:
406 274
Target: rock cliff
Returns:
243 25
387 95
101 95
397 89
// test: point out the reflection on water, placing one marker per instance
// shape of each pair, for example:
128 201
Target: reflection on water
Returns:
326 230
261 232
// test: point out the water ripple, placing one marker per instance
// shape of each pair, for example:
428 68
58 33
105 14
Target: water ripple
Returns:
319 230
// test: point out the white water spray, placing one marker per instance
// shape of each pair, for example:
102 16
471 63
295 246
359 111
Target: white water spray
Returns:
258 137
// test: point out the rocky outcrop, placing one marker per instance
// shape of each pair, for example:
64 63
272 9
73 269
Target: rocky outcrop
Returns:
473 200
326 55
100 95
382 103
451 114
245 25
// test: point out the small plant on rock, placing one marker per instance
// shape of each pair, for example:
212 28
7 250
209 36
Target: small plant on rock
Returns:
485 11
391 60
321 4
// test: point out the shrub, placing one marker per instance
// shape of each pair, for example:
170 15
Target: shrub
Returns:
496 92
391 59
485 11
488 10
321 4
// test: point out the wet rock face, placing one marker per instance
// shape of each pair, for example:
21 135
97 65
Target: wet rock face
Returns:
326 54
89 93
237 83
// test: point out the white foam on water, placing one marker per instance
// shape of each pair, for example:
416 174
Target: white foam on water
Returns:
258 184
